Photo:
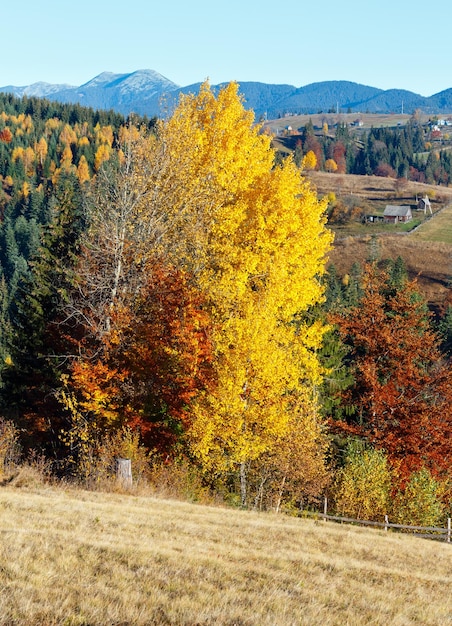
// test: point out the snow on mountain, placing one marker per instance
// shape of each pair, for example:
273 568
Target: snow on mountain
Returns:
37 90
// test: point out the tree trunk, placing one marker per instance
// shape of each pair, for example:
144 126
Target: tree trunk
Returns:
124 472
280 494
243 485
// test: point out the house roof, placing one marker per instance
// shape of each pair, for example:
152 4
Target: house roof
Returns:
393 210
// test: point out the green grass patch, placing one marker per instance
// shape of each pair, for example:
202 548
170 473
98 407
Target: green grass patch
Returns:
409 226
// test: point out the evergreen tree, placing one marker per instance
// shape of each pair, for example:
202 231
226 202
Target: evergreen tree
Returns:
445 331
42 335
398 275
353 289
337 375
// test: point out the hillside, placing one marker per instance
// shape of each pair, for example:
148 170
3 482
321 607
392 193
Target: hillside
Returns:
74 557
426 252
426 261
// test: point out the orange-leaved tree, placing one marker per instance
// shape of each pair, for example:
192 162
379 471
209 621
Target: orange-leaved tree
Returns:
146 342
144 372
401 399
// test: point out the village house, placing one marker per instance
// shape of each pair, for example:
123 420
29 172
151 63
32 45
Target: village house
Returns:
394 214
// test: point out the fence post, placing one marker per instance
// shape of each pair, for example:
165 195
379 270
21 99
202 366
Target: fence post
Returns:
386 522
325 508
124 472
448 529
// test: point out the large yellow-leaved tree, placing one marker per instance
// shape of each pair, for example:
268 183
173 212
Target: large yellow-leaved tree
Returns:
254 238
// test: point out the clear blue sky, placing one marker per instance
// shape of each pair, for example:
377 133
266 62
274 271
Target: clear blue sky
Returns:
385 44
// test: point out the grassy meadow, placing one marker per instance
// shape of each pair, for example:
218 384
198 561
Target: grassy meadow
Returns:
438 229
77 558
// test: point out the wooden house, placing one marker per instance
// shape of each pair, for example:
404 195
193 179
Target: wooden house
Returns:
394 214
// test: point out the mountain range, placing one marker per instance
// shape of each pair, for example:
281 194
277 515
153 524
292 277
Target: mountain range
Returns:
146 92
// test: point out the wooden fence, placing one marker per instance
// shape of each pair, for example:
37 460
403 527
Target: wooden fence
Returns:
426 532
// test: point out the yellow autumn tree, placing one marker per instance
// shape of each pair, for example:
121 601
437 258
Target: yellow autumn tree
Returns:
309 161
66 157
254 238
41 149
68 136
17 154
330 165
83 170
103 153
104 134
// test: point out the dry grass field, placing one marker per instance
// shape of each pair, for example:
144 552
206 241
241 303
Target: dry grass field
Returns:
378 188
438 229
83 558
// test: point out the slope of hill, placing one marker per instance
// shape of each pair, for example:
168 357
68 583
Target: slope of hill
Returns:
443 100
147 92
426 251
398 100
264 99
329 95
73 557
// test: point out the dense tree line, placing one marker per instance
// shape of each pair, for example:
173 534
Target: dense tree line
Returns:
404 152
44 146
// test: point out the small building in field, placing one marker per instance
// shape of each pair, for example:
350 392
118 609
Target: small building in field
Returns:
394 214
372 219
424 205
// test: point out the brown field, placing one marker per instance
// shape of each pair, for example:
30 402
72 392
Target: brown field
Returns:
84 558
378 188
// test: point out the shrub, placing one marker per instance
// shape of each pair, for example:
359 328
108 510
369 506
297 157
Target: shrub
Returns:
96 465
363 485
32 473
9 446
419 503
385 170
181 479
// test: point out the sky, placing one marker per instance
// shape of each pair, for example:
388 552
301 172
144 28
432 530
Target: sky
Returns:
386 44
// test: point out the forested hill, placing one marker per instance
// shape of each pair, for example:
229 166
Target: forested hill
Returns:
46 149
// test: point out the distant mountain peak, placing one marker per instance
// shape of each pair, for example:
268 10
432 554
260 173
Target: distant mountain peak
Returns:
143 92
104 78
37 90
